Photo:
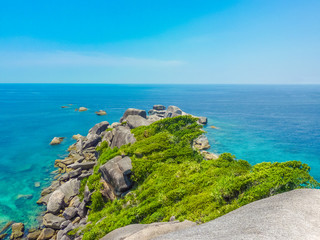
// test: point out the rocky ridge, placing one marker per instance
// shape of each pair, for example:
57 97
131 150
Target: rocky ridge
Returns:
64 209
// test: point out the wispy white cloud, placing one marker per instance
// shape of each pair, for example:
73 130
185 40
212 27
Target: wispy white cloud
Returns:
78 59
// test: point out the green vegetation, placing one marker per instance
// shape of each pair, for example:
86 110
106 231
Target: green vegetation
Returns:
173 179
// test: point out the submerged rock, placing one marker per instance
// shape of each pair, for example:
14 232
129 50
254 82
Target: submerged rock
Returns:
17 230
56 140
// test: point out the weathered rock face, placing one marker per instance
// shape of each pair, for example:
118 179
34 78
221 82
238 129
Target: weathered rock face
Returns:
133 111
146 231
17 230
93 137
70 189
122 136
83 165
173 111
292 215
117 172
56 140
108 136
56 202
134 121
201 143
52 221
46 233
98 128
158 113
69 213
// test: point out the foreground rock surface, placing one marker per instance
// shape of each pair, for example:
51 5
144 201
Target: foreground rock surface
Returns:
146 231
293 215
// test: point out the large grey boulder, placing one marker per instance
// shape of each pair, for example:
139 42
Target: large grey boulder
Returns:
117 172
293 215
93 137
133 111
91 141
122 136
56 202
134 121
52 221
98 128
146 231
70 189
173 111
69 213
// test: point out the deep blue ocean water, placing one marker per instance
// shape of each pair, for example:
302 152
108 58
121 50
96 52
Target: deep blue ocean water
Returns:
255 122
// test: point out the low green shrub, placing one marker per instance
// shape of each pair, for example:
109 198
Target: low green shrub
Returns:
172 179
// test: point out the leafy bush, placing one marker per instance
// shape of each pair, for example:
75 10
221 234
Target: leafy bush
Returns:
97 202
172 179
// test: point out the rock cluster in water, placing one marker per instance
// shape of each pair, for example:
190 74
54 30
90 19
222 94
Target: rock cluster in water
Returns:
64 209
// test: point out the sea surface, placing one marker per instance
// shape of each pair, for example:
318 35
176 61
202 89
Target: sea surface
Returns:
254 122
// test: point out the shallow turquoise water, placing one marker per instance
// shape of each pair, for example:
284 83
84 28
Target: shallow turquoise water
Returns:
256 123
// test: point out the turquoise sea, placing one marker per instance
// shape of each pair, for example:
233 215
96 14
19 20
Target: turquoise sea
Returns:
255 122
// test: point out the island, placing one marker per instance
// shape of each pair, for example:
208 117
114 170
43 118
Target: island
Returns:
151 174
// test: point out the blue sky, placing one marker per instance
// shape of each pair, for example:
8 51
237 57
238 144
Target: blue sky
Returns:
197 42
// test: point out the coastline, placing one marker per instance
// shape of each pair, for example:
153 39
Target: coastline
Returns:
81 159
69 200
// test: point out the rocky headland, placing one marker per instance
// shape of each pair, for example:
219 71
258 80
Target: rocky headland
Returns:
101 180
